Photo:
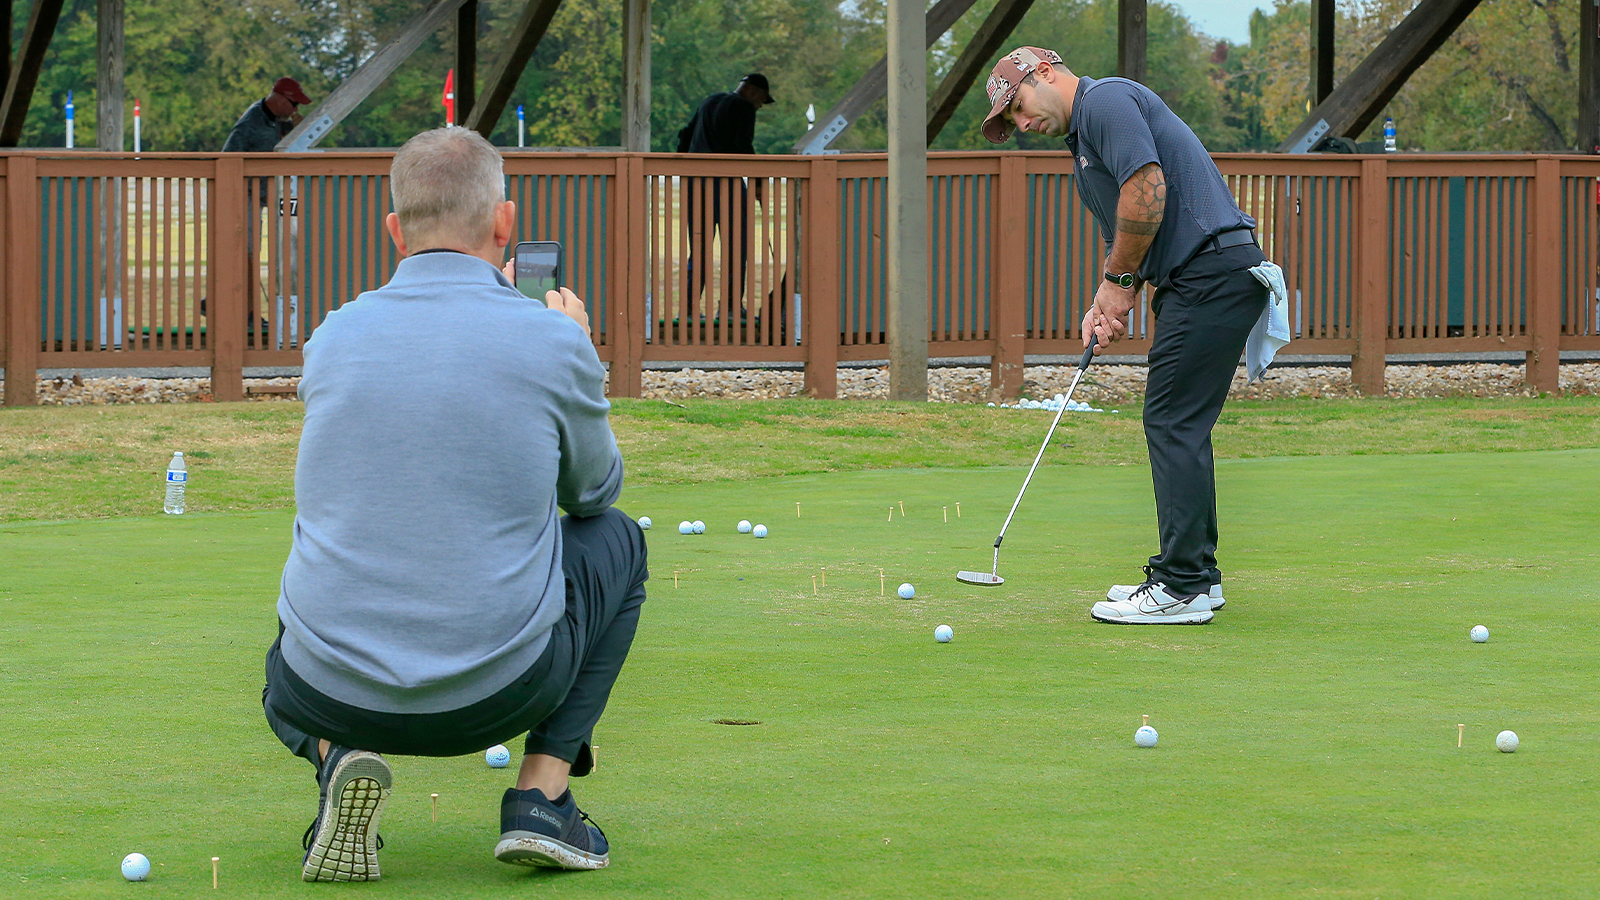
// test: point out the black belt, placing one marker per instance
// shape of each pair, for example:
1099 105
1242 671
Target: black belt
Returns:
1236 238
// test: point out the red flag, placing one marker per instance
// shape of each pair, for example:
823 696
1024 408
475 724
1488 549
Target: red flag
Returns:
450 98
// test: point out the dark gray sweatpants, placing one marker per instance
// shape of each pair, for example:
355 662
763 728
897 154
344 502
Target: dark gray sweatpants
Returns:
1202 320
556 702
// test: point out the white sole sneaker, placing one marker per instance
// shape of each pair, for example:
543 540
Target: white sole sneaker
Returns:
1121 592
345 844
1150 604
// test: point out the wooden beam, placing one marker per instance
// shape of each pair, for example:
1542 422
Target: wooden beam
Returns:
1132 36
108 76
1352 106
1589 76
25 73
363 81
1322 38
974 62
535 20
466 59
875 84
636 76
5 46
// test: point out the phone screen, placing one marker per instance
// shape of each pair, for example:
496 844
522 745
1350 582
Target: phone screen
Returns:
538 267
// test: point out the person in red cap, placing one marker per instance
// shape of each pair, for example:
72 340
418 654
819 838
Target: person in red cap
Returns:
265 123
1169 221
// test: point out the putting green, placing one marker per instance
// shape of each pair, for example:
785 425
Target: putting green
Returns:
1307 736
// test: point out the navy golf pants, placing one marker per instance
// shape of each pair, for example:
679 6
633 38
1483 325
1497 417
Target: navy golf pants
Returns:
1202 320
557 702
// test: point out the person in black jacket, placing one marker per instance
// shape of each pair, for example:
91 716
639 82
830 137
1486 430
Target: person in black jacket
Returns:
724 123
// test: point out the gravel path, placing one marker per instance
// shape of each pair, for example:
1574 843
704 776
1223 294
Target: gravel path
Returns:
1118 383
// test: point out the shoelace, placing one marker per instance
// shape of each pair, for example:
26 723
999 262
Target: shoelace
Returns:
585 817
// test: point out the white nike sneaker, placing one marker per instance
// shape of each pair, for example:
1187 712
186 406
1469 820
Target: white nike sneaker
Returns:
1121 592
1151 604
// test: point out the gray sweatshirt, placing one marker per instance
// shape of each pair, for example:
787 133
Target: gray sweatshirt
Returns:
447 416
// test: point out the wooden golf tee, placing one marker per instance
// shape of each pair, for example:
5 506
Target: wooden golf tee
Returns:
674 578
435 799
891 514
1147 720
902 509
797 509
958 509
824 576
1460 730
813 585
880 582
214 861
946 513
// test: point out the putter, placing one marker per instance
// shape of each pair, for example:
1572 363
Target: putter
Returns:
993 575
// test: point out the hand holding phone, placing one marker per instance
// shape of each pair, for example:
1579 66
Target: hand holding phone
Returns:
538 268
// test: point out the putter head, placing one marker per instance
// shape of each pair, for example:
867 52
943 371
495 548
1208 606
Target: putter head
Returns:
980 578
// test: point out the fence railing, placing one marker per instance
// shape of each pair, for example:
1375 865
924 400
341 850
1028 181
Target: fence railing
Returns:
230 261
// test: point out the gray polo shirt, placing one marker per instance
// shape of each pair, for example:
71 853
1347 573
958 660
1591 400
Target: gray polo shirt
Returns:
1118 127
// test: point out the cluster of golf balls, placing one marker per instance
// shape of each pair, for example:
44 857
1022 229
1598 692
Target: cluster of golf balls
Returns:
498 757
745 527
695 527
135 867
1053 404
699 527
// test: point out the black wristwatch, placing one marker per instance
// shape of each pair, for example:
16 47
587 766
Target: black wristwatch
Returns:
1124 281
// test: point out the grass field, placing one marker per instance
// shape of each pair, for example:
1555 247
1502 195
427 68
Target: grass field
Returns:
1308 736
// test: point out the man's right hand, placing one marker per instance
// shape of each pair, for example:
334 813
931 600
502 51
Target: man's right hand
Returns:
566 301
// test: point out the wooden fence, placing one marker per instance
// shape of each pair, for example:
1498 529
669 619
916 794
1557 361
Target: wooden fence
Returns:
229 261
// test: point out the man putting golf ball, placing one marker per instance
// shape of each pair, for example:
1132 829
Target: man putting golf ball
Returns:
1174 225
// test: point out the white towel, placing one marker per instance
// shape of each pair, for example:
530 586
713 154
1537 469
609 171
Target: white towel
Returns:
1271 331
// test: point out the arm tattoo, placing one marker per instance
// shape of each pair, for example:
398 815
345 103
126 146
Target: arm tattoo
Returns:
1148 202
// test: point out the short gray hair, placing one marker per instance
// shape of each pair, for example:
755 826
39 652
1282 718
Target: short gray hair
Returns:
445 184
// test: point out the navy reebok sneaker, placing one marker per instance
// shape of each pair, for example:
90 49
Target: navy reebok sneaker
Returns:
537 832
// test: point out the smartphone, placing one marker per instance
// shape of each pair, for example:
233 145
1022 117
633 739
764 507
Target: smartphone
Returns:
538 267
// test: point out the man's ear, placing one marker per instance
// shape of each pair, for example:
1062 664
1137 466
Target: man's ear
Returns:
392 223
505 223
1045 72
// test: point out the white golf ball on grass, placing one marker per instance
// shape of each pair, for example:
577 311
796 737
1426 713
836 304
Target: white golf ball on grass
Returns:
644 522
1480 634
943 634
699 527
907 591
498 757
135 867
1146 736
759 531
686 527
744 526
1506 742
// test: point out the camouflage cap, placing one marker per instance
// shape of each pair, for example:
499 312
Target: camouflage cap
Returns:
1003 83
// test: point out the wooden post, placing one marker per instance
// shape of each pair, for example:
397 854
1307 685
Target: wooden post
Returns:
1372 280
908 202
1008 315
820 289
108 76
1544 278
227 311
636 76
1132 38
1322 38
21 280
1589 76
466 60
629 259
24 75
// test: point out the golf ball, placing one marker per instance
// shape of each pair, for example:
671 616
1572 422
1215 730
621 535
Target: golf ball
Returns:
1145 736
1479 634
686 527
744 526
759 531
699 527
907 591
644 522
135 867
498 757
1507 741
943 634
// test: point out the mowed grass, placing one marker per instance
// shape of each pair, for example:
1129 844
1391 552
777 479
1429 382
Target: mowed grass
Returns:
1308 736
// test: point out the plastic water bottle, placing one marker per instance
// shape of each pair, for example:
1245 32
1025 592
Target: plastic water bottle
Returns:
1388 135
177 477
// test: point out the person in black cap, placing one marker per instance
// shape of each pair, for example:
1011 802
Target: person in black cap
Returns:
263 124
724 123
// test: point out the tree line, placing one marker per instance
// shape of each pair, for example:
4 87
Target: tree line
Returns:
1506 81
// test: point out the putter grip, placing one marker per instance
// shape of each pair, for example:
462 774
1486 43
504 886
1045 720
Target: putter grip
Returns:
998 540
1088 352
